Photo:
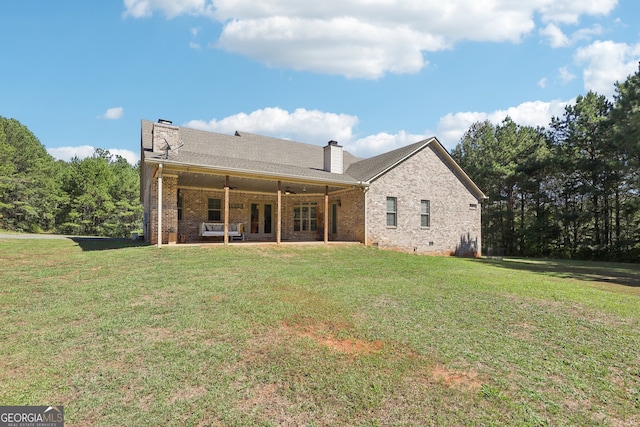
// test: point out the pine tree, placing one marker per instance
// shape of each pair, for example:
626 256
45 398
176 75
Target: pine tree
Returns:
28 180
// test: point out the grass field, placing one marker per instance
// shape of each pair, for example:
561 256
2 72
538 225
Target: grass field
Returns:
314 335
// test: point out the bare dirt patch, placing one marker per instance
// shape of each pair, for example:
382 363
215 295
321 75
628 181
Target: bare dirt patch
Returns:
261 394
144 299
524 331
330 336
159 334
456 379
188 393
268 404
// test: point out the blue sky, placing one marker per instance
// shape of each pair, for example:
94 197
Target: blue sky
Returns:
372 74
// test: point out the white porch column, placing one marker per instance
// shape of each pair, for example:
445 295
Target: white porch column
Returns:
226 211
159 233
326 214
279 215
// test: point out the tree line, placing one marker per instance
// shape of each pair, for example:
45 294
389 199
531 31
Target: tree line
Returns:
98 195
570 190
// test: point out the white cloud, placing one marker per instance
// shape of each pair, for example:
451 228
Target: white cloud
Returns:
555 36
569 11
317 127
587 33
606 63
194 34
311 126
565 75
171 8
113 113
83 151
68 153
341 45
130 156
368 38
536 113
542 82
382 142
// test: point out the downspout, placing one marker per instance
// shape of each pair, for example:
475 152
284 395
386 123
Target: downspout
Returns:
159 232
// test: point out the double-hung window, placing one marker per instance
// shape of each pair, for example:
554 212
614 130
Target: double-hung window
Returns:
214 208
425 213
392 211
305 217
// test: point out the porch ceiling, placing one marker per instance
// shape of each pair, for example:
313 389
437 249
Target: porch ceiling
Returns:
253 185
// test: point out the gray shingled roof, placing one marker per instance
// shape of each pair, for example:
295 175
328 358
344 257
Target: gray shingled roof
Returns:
251 153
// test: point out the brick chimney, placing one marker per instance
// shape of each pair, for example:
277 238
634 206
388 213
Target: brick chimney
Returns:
333 157
165 136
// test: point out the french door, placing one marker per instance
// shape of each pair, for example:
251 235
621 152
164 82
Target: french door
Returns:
262 224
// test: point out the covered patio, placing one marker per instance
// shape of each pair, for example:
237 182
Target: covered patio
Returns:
247 207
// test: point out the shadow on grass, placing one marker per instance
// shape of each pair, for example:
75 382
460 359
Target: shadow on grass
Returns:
619 274
105 243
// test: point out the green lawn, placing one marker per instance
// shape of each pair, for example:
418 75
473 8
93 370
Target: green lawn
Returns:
314 335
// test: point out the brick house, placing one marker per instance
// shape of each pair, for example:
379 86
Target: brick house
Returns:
203 186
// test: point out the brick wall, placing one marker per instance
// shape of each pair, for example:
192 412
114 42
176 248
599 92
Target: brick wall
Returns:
454 228
455 224
350 227
195 211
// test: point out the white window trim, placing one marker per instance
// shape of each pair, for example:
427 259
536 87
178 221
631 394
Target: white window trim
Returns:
427 214
395 212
